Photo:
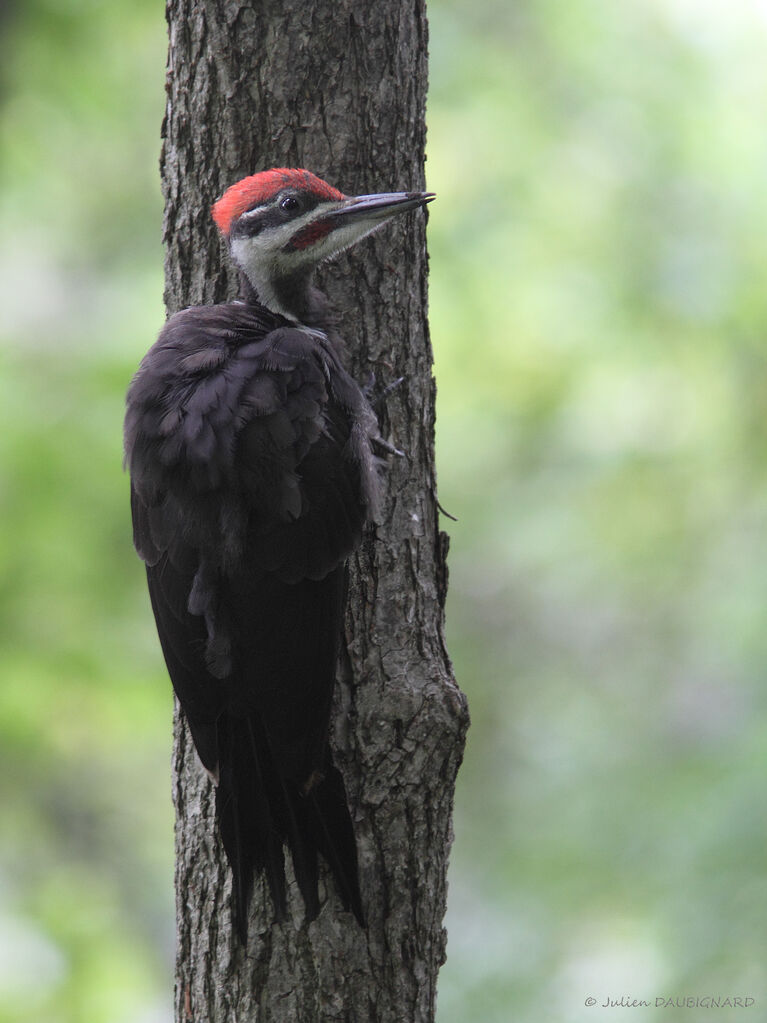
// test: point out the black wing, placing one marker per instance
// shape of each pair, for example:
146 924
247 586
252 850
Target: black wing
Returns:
252 478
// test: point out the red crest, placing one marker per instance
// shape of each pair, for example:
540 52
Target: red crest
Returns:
260 188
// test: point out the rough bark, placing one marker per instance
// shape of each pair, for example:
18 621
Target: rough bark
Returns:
340 89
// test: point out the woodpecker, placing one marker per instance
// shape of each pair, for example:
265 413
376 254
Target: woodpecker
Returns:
254 462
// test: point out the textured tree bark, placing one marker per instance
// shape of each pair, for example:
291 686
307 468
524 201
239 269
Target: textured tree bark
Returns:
338 88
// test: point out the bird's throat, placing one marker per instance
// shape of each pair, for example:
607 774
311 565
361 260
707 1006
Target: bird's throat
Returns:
291 296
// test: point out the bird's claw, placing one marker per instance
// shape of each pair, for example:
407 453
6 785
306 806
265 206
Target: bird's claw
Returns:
387 447
386 392
378 400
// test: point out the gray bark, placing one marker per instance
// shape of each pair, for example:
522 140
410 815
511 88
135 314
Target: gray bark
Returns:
338 88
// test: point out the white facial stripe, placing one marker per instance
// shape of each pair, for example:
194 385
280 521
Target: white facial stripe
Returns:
262 260
342 237
262 251
280 235
265 248
257 211
258 263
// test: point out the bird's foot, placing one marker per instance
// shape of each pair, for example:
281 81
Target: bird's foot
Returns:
387 447
376 400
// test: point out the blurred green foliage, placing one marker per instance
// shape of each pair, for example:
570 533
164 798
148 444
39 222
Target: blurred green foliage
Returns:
598 316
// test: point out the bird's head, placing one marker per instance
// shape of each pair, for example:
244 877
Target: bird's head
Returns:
281 223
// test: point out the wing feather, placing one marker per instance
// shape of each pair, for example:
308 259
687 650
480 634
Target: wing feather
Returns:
252 477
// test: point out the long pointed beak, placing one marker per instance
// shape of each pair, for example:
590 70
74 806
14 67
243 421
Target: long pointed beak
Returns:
351 219
371 208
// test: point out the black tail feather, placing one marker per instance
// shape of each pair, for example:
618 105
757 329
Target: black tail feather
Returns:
249 829
259 811
330 827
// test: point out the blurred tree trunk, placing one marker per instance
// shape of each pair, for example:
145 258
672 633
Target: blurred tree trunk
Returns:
340 89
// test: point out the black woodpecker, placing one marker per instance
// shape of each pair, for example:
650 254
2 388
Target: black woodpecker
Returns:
253 458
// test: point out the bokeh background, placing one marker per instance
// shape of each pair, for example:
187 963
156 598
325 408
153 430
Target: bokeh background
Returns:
599 318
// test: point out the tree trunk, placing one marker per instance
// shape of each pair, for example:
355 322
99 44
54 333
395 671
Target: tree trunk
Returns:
338 88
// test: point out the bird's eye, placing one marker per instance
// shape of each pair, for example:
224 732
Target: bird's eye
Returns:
289 203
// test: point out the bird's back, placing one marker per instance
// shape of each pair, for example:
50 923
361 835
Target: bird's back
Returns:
253 474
